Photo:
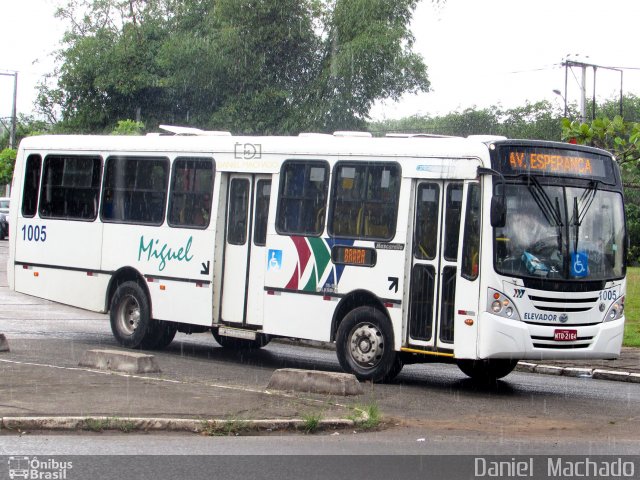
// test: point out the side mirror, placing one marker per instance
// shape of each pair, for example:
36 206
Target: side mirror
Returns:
498 211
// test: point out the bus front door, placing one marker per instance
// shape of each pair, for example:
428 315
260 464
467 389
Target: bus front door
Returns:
244 254
438 207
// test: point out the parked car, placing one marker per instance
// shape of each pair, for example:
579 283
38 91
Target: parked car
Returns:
4 217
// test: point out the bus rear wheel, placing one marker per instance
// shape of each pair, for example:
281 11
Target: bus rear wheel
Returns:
487 370
130 317
364 344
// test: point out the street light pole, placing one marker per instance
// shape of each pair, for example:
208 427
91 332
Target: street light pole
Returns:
14 120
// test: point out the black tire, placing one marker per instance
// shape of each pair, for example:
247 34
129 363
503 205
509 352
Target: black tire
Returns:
364 345
487 371
130 316
232 343
165 332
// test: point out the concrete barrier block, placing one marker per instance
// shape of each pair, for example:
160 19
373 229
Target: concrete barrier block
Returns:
610 375
4 344
314 381
120 361
549 370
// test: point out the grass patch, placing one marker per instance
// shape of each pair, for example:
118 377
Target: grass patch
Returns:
311 422
632 308
228 428
367 417
101 424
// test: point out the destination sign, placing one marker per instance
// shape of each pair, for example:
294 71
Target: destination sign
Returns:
365 257
552 161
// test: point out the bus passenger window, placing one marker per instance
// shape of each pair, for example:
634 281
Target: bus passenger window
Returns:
70 187
31 185
365 200
135 190
191 192
302 197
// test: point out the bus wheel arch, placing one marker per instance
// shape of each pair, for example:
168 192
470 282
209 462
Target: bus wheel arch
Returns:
364 344
125 274
488 370
130 313
355 299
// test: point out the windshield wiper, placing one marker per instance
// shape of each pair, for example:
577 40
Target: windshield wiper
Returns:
550 212
586 199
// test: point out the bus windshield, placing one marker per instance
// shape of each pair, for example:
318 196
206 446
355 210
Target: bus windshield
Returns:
561 232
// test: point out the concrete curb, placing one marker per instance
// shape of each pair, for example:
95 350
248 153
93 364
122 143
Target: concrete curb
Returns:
579 372
594 373
200 426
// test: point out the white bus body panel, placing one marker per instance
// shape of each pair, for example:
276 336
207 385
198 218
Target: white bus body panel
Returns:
60 256
179 285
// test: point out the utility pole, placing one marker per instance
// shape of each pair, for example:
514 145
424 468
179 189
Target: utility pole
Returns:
583 87
14 120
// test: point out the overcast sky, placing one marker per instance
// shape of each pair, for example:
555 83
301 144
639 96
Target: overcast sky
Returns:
478 52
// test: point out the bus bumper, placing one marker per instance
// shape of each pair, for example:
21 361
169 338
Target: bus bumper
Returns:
499 337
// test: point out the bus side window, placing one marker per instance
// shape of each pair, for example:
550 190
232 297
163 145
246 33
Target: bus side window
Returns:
70 187
364 200
302 197
31 186
471 238
135 190
191 192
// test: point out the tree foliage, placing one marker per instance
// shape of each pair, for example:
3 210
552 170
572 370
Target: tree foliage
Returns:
25 126
7 162
128 127
539 120
622 139
252 66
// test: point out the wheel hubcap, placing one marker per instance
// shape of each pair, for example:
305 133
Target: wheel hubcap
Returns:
129 315
366 345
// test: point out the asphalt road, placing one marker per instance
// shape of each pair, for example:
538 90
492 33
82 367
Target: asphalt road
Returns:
429 409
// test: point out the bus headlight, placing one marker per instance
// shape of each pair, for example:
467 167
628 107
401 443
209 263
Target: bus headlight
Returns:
616 310
501 305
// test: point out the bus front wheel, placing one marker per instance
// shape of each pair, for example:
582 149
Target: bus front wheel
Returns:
364 345
130 316
487 370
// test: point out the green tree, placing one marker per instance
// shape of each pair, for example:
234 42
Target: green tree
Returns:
26 126
7 162
539 120
622 139
253 66
128 127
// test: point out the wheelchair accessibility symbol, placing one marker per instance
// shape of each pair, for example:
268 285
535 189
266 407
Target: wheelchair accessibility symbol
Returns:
579 264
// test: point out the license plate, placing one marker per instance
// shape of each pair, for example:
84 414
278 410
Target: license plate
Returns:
565 335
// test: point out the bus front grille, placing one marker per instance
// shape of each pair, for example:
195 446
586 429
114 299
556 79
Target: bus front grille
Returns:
563 305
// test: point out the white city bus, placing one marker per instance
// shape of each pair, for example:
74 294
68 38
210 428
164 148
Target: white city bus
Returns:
479 251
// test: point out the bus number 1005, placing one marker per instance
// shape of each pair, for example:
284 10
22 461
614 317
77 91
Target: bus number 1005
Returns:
34 233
